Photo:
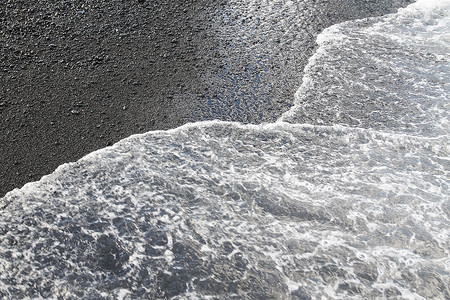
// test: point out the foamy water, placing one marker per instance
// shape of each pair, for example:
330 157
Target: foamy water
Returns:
387 73
352 205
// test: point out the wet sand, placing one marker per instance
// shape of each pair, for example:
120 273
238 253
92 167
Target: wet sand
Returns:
78 76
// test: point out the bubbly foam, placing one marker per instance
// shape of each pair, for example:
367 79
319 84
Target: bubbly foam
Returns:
221 209
390 73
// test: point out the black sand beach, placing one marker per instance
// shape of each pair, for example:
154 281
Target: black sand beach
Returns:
76 76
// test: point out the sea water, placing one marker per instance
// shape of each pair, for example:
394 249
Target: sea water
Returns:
345 197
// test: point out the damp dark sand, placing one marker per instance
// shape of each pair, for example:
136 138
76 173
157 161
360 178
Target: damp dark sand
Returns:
77 76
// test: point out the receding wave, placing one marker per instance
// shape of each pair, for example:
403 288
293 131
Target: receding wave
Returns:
390 73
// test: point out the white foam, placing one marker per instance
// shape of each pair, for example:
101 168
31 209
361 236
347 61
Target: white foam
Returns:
389 73
259 186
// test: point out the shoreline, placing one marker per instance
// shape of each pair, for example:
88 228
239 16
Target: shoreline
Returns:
79 77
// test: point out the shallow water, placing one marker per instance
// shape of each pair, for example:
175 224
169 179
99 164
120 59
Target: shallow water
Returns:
345 197
263 47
